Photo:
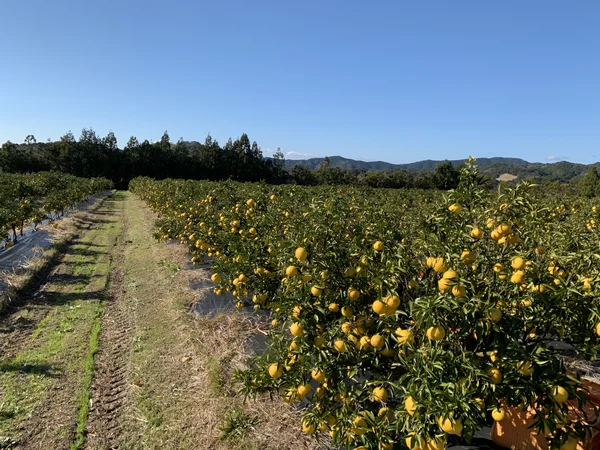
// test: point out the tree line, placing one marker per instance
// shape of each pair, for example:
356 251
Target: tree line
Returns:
242 160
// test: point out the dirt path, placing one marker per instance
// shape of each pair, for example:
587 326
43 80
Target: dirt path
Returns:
107 355
48 341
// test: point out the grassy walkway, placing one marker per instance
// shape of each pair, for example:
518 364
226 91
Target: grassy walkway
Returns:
107 355
48 342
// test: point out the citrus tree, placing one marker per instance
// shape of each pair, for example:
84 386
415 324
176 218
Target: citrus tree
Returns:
404 318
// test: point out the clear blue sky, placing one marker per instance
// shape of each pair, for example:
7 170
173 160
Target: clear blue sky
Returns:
397 81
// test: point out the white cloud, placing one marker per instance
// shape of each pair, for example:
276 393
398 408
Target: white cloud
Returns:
297 155
553 158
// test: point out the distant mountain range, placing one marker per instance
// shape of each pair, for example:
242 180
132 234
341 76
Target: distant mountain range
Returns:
428 164
493 167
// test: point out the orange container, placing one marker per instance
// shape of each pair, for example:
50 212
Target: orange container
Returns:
514 432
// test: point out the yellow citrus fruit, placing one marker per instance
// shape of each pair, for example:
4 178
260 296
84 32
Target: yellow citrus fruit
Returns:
468 257
410 405
455 208
353 294
347 311
525 368
559 394
316 291
570 444
296 329
339 345
517 263
378 246
333 307
476 233
318 375
291 271
275 370
495 315
448 427
404 336
517 277
440 265
319 341
303 390
216 278
307 427
301 254
459 291
495 375
498 414
377 341
436 333
380 394
378 307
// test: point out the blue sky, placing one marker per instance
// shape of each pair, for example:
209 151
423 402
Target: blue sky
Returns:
394 81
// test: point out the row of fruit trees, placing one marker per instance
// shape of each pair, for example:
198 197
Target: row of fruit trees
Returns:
404 318
26 198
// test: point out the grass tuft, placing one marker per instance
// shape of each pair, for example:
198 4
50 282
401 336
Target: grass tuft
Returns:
236 424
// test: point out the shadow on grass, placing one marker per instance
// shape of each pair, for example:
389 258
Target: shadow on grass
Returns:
34 369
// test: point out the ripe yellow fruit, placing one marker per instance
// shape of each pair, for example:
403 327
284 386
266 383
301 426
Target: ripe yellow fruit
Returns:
410 405
318 375
291 271
353 294
216 278
380 394
525 368
559 394
378 246
274 323
404 336
498 414
307 427
347 311
468 257
494 355
495 375
440 265
597 329
346 327
378 307
495 315
334 307
517 277
517 263
455 208
377 341
385 412
436 333
392 302
570 444
504 229
436 444
301 254
412 440
297 329
448 427
275 370
365 343
498 267
339 345
476 233
459 291
450 275
444 284
304 390
587 284
316 291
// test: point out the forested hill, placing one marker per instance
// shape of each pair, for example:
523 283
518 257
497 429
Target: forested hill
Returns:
428 164
563 171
